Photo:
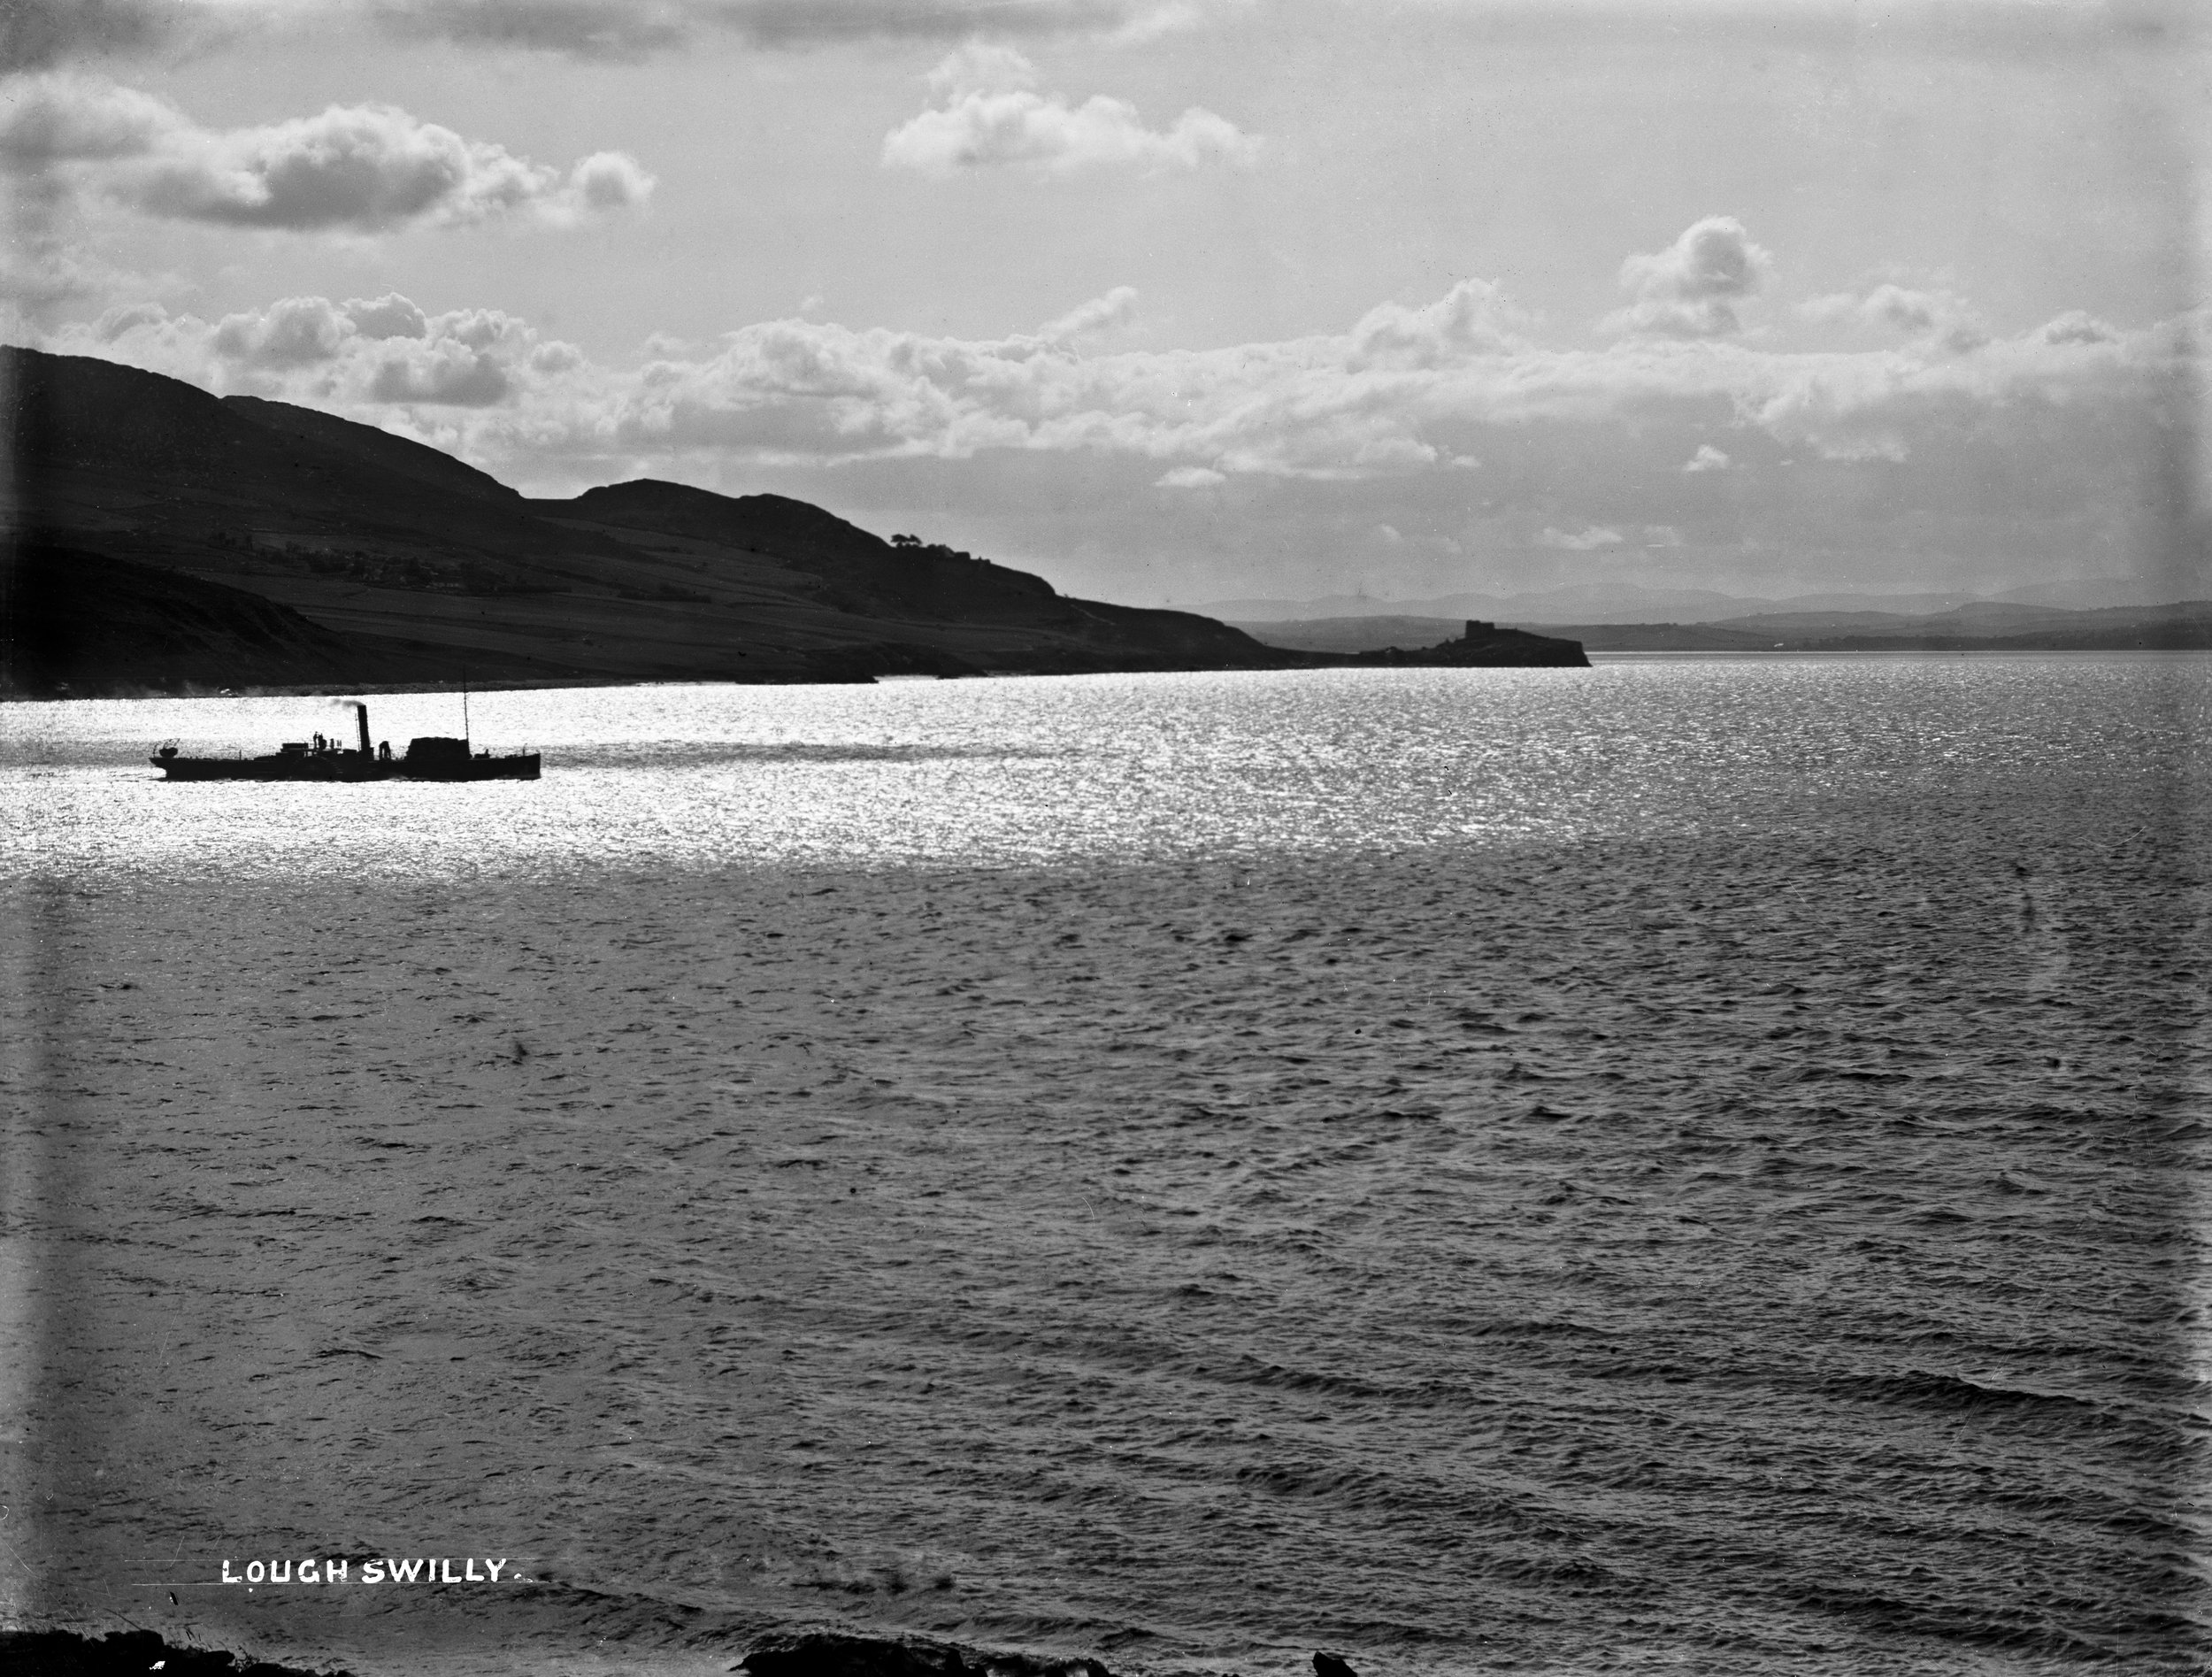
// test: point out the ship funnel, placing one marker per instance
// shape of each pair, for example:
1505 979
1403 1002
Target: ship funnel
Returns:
361 713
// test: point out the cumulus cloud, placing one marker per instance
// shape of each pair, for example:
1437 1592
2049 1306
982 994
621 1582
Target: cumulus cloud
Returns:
1691 288
389 316
1449 419
1405 393
994 114
1935 316
446 373
358 169
42 274
59 118
1588 540
1475 318
41 138
1108 314
361 354
1914 312
294 333
2077 326
1319 408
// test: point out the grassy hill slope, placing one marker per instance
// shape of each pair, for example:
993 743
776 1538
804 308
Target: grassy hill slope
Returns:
410 559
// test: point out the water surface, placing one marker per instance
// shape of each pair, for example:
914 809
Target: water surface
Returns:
1688 1165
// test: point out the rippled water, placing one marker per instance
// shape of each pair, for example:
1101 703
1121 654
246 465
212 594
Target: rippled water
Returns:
1096 768
1685 1166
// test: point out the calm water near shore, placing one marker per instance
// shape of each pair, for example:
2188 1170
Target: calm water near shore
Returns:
1693 1165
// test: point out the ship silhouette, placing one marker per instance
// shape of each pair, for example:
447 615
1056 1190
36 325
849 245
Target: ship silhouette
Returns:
428 757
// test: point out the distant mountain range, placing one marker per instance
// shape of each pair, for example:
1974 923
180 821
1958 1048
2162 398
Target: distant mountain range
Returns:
1984 626
1627 602
162 537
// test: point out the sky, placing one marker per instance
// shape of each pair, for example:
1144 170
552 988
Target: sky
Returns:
1176 301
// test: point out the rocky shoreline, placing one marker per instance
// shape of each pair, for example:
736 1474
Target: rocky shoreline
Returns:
126 1653
61 1653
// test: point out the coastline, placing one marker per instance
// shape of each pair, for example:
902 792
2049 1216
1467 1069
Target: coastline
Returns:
803 1653
130 1653
1596 654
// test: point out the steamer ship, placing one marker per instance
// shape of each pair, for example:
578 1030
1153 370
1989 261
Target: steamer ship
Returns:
430 758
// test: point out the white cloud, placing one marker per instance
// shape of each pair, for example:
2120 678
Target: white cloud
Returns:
2077 326
64 119
442 372
600 184
2048 452
358 355
1405 394
1585 540
355 169
1932 316
1474 318
390 316
1691 288
1108 314
297 332
992 115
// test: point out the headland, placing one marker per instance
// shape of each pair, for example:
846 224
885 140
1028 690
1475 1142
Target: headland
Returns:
162 540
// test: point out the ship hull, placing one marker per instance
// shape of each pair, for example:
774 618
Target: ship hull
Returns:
268 768
524 765
430 757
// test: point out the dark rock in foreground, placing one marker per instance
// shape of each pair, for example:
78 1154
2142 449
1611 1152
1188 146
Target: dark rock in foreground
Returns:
1485 646
122 1653
1330 1666
826 1655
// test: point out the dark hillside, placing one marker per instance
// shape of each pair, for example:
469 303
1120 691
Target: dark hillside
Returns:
767 522
860 570
908 583
396 454
416 561
154 463
79 623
